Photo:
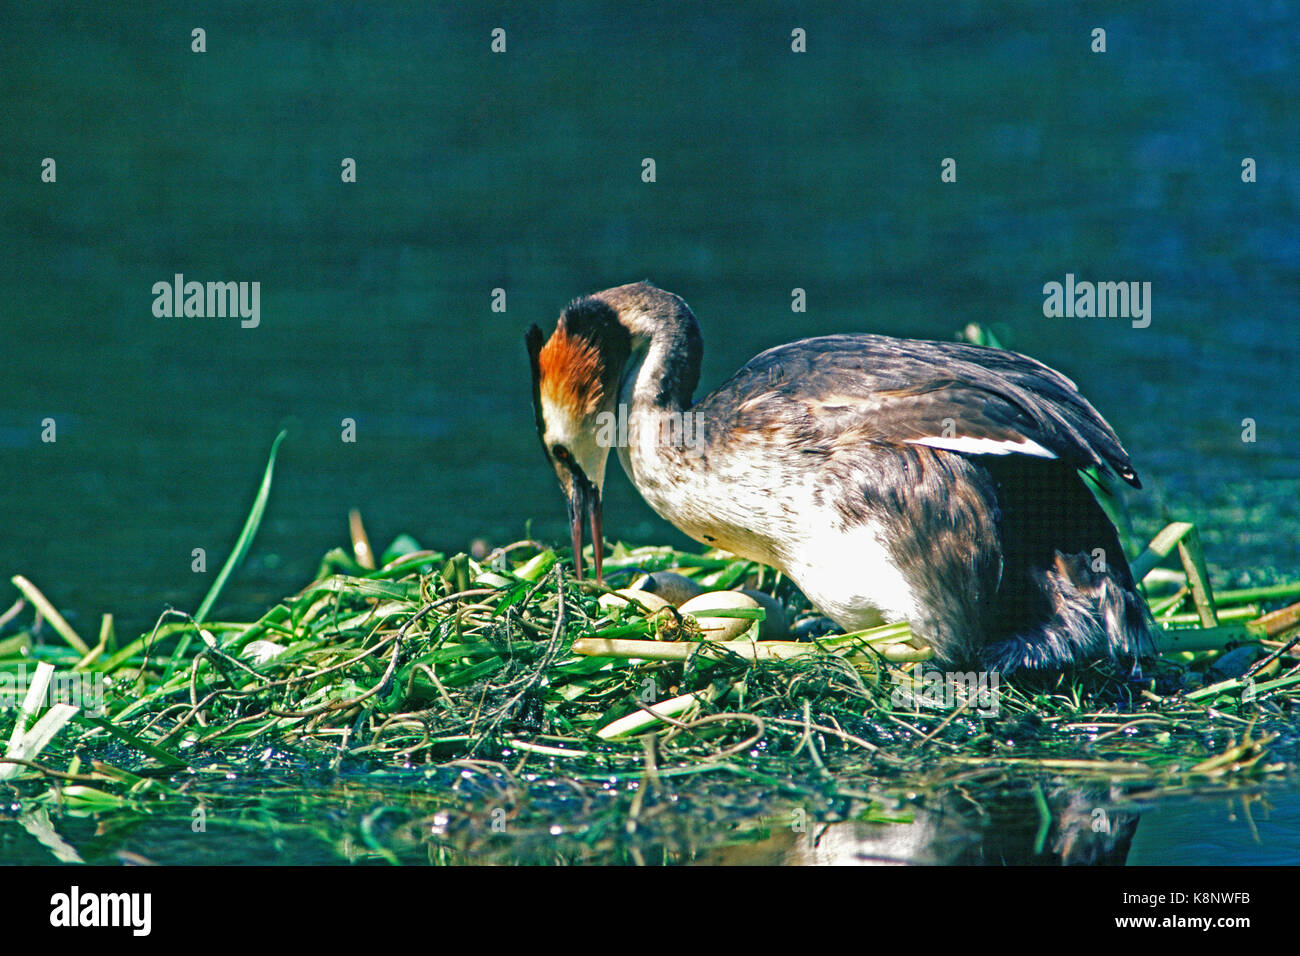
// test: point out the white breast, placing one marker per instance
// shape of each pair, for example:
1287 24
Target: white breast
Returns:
770 514
848 573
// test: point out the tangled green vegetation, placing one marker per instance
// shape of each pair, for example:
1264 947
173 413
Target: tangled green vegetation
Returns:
508 666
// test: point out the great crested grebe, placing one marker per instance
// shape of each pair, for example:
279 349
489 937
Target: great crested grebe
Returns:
890 479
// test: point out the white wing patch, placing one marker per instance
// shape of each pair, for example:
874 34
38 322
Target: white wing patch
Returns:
985 446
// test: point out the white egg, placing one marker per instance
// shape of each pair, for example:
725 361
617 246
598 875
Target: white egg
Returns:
720 628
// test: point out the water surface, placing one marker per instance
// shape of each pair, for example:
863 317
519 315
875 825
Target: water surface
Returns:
521 171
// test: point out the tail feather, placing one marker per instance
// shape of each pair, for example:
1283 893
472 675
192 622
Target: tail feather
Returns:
1108 621
1068 595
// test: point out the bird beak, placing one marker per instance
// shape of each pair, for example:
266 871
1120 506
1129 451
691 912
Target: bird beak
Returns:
584 506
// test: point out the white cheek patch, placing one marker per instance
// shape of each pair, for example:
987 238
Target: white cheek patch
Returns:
985 446
583 443
561 429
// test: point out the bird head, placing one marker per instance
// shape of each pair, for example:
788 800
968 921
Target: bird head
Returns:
576 374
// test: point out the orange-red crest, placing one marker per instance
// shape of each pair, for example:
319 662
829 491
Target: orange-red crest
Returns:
572 373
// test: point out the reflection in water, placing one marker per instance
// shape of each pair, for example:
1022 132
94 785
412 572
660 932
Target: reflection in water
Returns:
287 816
1086 827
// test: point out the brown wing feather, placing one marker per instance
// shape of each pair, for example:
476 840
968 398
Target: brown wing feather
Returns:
823 392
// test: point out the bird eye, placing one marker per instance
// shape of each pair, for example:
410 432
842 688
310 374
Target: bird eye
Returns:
561 453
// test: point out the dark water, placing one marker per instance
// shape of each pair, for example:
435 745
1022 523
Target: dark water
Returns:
522 171
264 810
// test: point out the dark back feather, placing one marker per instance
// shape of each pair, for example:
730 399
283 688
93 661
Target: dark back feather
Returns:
873 388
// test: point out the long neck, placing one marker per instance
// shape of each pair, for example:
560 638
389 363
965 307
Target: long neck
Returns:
657 386
664 366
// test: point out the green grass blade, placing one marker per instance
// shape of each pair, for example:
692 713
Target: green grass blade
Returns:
166 757
31 705
251 524
64 629
245 537
1183 536
36 739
